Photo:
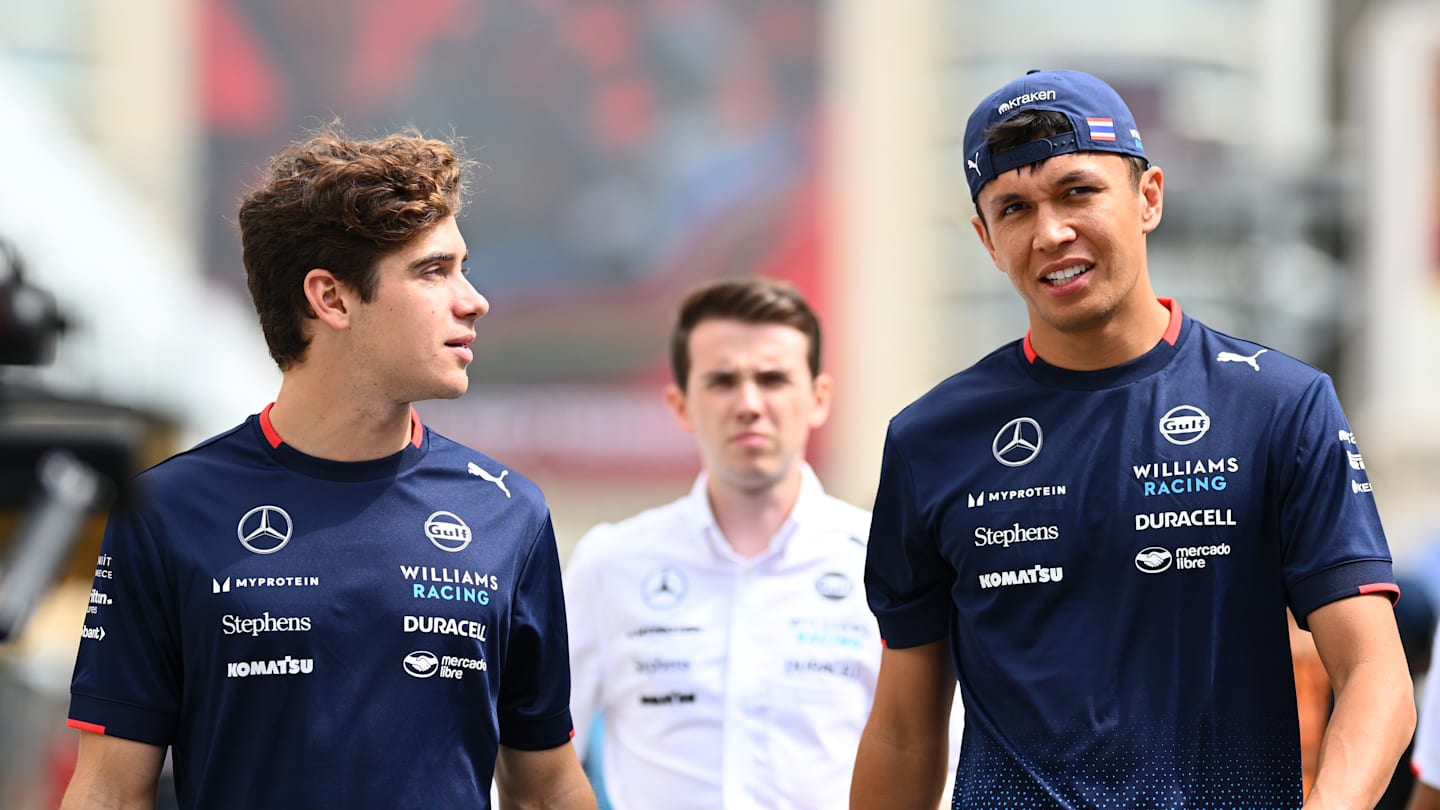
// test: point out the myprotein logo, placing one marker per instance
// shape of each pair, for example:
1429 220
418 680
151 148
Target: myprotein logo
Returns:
1184 424
979 499
447 531
1009 535
225 585
1018 442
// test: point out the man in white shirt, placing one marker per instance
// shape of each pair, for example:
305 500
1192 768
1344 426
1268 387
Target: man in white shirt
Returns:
726 635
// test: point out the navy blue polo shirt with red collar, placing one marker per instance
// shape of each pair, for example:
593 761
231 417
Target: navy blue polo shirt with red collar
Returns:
312 633
1110 555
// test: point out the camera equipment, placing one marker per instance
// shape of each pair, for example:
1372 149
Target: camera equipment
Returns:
60 460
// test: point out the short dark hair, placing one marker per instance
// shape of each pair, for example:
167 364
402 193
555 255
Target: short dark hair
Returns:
340 204
749 300
1032 125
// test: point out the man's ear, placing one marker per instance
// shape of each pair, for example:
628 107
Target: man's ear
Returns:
675 398
328 298
824 386
984 233
1152 188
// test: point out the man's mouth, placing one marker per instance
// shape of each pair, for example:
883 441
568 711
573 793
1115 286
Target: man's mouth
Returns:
1060 277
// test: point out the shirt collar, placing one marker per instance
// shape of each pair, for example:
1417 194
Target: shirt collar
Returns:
701 517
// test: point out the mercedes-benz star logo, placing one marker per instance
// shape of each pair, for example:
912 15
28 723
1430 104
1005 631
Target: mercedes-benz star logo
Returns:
1018 443
264 529
664 588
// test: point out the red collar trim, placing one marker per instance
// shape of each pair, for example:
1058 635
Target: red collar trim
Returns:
268 427
417 430
1172 330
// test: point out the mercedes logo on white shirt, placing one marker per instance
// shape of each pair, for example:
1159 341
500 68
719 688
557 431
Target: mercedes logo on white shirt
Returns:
264 529
664 588
1018 443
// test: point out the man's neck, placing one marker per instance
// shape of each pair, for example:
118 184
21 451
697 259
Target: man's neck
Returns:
750 519
1118 340
323 419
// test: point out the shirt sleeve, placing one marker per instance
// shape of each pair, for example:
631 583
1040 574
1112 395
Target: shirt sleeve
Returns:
534 702
127 679
1425 759
582 610
1332 540
907 581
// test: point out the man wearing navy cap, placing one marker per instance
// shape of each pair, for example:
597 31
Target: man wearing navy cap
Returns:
1102 524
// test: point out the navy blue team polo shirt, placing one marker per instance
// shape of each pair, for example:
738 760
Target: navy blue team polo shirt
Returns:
310 633
1110 555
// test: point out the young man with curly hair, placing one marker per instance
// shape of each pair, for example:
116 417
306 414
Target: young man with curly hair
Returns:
331 605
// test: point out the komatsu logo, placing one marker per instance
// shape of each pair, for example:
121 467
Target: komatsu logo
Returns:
1025 98
272 666
1025 576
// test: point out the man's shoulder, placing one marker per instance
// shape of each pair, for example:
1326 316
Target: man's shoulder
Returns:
230 448
639 530
839 516
964 390
1251 364
465 462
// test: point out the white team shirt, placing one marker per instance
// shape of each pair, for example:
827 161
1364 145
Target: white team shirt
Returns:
726 682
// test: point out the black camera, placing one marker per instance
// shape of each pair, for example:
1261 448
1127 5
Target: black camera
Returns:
61 459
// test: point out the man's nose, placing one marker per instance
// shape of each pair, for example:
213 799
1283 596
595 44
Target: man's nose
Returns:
750 397
1053 228
469 303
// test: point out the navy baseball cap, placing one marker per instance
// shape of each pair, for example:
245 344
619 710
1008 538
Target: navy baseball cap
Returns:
1099 117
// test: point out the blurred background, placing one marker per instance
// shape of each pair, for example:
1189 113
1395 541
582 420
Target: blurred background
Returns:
633 148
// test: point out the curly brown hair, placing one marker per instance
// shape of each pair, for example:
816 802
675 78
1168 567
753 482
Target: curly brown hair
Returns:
340 204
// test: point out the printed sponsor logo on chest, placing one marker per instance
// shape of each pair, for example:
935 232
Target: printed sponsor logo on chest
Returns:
424 664
1158 559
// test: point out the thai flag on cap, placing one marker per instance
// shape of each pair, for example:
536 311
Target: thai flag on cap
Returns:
1101 129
